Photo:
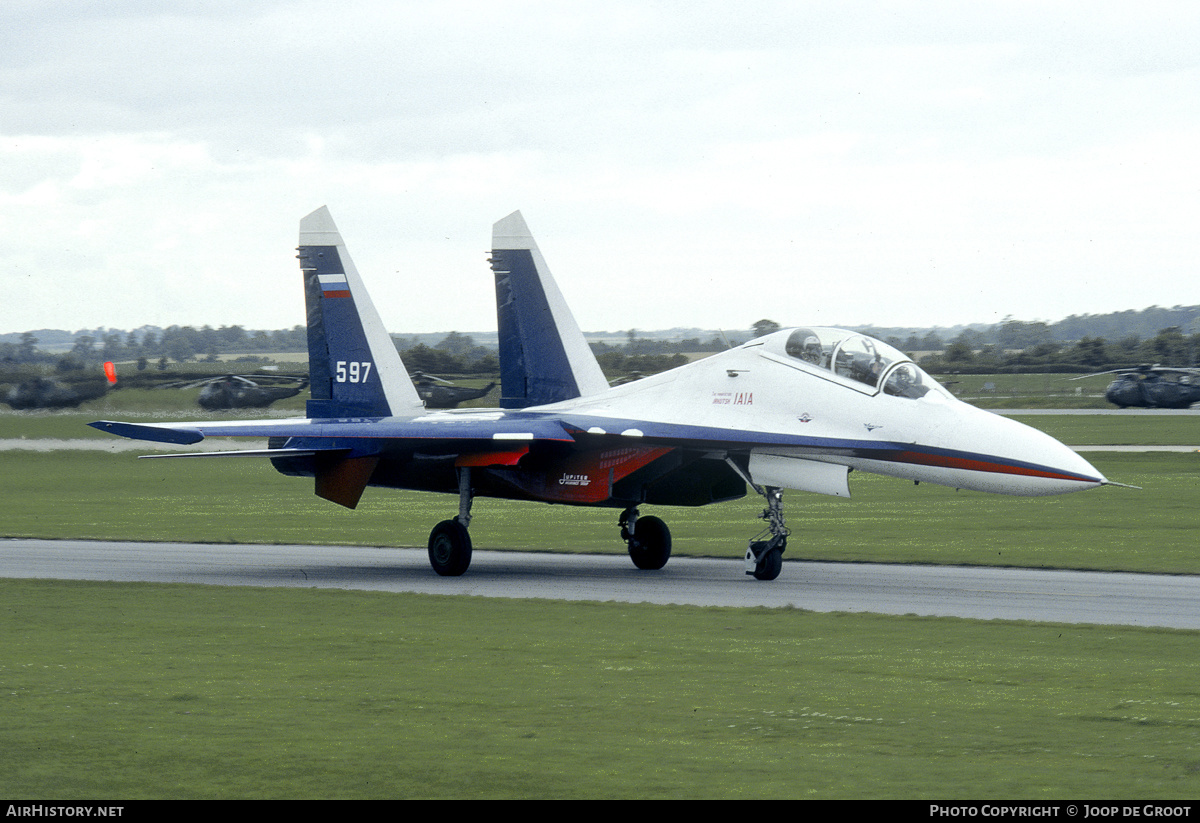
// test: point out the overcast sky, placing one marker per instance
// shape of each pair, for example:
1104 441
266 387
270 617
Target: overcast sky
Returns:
681 163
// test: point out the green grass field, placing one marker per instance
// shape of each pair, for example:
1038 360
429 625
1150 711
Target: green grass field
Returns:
1119 429
143 690
67 494
1017 391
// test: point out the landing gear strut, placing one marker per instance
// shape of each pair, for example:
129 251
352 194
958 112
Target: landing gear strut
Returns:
764 554
648 538
450 542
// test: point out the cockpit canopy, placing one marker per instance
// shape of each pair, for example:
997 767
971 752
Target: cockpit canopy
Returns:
868 364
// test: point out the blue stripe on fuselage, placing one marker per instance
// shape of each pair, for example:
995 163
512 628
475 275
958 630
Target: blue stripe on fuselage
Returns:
733 439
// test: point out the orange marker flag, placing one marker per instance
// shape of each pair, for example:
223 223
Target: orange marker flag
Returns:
110 371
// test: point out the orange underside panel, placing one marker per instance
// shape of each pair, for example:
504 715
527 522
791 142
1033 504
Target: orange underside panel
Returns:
588 477
508 457
343 480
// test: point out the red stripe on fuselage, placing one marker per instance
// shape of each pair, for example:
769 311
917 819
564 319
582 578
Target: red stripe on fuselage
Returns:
946 462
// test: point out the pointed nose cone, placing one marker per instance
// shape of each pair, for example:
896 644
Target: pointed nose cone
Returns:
1066 466
1030 462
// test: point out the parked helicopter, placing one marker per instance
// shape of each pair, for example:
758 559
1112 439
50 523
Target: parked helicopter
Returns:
237 391
1153 387
48 393
439 393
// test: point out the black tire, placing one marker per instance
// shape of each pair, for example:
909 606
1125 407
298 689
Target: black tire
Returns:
769 567
650 545
449 548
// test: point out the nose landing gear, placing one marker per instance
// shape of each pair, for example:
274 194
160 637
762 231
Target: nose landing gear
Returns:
764 553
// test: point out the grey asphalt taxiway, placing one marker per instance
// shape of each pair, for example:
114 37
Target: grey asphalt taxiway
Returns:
971 592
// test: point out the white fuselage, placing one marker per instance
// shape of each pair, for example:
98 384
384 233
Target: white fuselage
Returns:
812 414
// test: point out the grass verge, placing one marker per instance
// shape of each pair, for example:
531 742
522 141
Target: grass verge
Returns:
66 494
152 691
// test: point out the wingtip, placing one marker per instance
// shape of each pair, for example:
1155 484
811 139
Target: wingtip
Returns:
160 433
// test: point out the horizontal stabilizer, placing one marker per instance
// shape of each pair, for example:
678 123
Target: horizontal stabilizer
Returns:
149 431
247 453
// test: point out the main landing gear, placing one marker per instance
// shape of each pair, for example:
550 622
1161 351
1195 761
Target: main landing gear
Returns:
450 542
648 538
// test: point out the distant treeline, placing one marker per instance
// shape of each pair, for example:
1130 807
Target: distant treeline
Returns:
1079 343
180 344
1170 347
1013 334
455 354
1017 346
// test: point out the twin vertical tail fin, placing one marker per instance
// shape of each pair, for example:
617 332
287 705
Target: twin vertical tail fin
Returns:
354 368
355 371
544 357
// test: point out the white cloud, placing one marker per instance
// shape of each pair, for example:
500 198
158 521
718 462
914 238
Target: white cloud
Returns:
681 164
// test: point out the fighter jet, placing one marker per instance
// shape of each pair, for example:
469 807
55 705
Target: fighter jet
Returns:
797 409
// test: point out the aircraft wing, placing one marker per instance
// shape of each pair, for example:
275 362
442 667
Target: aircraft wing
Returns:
446 432
343 453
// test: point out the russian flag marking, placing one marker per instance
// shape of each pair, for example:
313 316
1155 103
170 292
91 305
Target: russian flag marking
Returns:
333 285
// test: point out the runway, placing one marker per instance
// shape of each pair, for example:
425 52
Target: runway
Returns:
970 592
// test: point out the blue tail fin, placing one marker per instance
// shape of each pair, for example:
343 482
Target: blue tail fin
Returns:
354 369
543 355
